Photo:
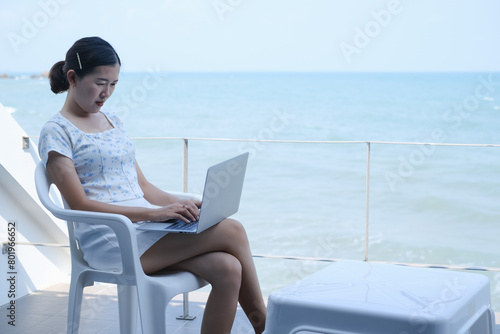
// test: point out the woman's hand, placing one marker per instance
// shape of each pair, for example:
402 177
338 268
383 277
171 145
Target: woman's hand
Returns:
185 210
193 207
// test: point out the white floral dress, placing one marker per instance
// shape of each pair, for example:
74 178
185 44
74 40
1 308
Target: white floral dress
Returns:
105 164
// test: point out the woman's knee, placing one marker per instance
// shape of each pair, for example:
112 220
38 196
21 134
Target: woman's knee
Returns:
226 270
234 230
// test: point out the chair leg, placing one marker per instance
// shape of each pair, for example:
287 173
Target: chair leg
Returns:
153 323
74 306
153 313
127 307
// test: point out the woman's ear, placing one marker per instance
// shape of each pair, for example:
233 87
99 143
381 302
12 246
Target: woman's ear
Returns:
71 78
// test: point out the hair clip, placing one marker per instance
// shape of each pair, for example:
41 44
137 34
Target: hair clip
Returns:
79 62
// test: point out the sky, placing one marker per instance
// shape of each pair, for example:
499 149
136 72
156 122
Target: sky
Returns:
258 35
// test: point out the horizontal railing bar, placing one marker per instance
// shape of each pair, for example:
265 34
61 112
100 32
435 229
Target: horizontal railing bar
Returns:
251 140
314 141
36 244
297 258
433 144
440 266
310 141
5 245
409 264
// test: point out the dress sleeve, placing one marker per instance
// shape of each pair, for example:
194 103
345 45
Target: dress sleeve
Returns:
53 138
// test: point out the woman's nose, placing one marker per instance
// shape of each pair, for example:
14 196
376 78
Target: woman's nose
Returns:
105 92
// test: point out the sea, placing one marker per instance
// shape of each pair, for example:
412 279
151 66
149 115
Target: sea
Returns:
416 155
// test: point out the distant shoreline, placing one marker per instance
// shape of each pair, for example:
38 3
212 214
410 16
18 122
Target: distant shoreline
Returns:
42 75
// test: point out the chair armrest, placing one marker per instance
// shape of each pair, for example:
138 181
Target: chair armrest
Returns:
114 221
121 226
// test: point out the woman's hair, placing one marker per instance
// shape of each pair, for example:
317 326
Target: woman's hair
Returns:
83 57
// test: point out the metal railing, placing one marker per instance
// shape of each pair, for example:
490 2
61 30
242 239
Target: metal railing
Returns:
368 144
185 143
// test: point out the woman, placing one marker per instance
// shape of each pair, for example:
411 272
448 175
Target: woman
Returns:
92 162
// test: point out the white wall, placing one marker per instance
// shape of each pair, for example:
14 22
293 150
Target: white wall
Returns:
35 267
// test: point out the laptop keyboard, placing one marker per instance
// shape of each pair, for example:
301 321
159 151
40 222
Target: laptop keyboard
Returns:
179 225
182 226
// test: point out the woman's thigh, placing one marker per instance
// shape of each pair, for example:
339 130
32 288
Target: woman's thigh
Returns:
217 268
228 236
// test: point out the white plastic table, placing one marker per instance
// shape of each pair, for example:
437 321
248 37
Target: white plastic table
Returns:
371 298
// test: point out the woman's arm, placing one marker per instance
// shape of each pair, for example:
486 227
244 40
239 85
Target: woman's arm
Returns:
62 171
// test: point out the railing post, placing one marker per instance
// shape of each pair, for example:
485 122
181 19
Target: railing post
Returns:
185 165
367 213
185 296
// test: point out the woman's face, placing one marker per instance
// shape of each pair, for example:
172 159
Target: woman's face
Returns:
91 91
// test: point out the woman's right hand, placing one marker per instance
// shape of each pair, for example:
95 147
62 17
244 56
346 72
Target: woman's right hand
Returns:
187 212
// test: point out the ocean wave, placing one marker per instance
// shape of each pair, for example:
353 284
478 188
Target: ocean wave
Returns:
10 110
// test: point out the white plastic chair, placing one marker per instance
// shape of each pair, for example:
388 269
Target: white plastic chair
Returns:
153 293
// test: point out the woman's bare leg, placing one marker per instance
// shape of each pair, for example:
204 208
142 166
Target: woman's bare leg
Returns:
223 272
228 236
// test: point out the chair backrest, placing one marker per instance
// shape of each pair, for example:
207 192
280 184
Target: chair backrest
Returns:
43 183
119 224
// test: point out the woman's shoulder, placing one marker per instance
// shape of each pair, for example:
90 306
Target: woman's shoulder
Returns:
113 118
57 124
57 121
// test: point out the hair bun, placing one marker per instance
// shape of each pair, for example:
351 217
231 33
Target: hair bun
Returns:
58 80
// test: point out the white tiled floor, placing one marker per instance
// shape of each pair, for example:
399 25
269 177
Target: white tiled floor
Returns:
44 312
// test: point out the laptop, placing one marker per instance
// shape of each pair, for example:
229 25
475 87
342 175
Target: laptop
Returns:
221 198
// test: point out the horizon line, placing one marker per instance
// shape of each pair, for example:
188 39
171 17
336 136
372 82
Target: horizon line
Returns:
10 74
